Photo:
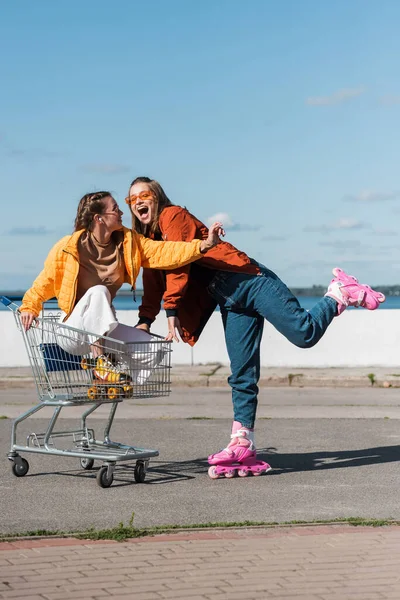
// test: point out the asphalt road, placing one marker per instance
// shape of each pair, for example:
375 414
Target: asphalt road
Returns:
323 468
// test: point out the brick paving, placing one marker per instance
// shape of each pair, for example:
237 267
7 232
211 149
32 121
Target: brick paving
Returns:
331 562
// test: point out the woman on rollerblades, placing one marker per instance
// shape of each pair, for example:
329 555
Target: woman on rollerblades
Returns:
247 293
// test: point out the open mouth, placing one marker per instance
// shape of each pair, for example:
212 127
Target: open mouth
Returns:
143 210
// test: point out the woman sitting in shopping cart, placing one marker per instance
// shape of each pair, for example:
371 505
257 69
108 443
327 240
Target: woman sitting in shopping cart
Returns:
85 270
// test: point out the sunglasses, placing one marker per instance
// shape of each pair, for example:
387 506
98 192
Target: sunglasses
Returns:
140 196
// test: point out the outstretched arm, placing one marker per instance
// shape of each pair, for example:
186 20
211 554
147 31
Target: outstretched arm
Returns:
171 255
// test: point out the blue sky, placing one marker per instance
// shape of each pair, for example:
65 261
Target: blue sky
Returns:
283 117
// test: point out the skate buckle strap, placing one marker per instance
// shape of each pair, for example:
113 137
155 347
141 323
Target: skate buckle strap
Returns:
241 433
361 297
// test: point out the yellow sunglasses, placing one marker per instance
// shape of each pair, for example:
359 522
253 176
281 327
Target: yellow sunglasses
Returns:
141 195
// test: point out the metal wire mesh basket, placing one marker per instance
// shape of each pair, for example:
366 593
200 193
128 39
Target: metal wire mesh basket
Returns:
105 369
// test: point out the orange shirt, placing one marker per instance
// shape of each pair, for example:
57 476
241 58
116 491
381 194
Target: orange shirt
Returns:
184 290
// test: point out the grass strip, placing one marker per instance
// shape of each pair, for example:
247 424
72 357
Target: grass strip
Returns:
123 532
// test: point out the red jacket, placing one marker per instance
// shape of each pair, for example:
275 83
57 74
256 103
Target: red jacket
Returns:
184 290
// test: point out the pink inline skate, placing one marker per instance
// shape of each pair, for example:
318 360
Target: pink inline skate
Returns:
239 456
346 290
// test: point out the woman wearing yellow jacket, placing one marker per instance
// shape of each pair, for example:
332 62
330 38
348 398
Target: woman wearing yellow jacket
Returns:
85 270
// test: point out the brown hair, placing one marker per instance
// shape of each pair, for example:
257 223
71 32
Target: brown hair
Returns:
161 201
89 206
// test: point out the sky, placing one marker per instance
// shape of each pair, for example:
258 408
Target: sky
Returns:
279 118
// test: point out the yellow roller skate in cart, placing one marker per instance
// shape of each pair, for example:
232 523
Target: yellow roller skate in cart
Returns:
110 381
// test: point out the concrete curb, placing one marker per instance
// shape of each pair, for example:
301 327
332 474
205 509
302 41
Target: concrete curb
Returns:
168 531
215 375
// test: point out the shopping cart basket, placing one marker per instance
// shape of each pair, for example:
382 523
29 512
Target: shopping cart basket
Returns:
107 371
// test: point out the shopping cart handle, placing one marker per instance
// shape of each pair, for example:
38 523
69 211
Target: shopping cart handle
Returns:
6 301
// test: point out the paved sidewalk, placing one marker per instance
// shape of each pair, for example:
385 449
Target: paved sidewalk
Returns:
216 402
298 563
215 375
322 469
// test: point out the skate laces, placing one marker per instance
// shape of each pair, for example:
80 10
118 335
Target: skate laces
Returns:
104 362
108 370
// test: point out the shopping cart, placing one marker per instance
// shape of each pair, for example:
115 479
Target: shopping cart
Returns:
124 370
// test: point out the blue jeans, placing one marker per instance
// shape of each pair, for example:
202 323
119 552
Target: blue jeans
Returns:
245 301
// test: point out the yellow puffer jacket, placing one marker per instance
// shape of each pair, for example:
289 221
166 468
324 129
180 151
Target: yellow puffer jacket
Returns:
60 274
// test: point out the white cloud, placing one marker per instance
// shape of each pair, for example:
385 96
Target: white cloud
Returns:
342 95
244 227
343 223
230 225
224 218
341 243
372 196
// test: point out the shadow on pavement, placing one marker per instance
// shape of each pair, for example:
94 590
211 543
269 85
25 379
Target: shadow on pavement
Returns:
312 461
161 472
158 473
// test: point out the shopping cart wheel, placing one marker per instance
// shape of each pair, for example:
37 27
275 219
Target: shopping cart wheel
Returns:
103 479
87 463
21 467
140 471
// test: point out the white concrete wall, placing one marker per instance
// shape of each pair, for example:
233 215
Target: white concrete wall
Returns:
358 338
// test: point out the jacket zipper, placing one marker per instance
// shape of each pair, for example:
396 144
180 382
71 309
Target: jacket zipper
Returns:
75 284
133 287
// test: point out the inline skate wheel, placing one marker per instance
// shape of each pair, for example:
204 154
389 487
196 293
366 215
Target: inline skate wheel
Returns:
140 472
242 472
103 479
20 468
212 473
230 474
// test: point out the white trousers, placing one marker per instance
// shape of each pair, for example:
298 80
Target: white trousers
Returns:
95 314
